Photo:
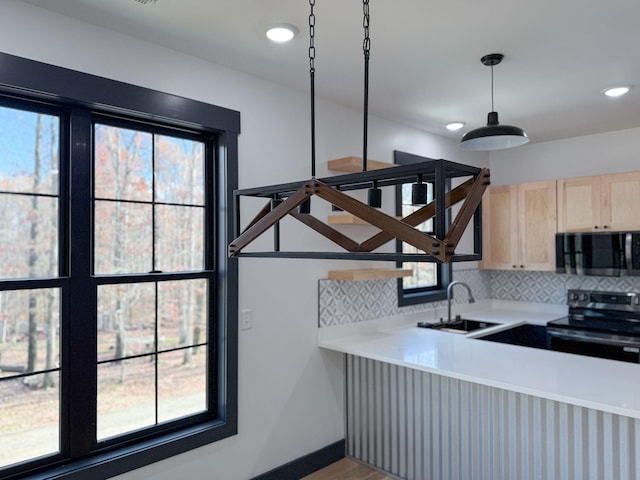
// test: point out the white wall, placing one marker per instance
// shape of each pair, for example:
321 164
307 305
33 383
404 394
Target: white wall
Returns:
610 152
290 393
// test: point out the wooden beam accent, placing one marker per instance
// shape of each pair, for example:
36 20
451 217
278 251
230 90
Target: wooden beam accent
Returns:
327 231
369 273
467 211
266 209
267 221
423 214
354 164
397 228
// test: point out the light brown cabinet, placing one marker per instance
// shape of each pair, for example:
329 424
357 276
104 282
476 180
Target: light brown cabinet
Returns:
599 203
519 226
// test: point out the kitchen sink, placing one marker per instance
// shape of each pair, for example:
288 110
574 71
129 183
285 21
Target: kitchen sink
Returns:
458 325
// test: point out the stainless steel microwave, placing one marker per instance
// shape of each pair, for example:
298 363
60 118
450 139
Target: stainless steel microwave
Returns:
613 254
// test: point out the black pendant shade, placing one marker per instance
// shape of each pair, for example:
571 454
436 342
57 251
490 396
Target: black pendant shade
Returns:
493 136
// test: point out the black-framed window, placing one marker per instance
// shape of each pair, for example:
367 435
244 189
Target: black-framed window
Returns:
430 279
118 303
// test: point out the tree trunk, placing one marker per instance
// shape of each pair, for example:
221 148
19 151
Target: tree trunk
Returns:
32 260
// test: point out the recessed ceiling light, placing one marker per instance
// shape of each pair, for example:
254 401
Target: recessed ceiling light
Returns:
616 91
281 33
453 126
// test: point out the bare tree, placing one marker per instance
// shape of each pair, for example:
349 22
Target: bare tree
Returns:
32 258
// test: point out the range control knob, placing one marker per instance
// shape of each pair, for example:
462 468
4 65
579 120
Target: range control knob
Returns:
636 300
584 297
573 297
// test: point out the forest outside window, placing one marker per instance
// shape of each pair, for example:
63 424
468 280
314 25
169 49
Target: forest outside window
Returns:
118 303
149 211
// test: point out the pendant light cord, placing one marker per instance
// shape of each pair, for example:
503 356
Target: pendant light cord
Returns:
366 47
492 107
312 79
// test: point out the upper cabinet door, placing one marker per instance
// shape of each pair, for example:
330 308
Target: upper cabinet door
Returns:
599 203
500 228
621 201
579 203
519 226
537 225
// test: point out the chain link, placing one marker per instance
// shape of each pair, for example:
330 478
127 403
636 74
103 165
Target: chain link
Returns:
366 44
312 36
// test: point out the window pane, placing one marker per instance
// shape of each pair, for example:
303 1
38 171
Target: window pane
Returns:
424 274
29 240
123 163
29 417
182 386
29 151
179 238
126 396
29 324
126 320
182 309
179 168
122 238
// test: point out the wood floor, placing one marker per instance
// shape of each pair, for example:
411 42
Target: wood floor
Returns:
347 469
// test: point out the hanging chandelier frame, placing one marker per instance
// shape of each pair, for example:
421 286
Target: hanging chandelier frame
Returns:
439 247
294 198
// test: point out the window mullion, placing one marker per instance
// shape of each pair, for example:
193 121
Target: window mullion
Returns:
79 325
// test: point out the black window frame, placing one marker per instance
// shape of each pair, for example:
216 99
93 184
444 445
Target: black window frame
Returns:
419 295
78 96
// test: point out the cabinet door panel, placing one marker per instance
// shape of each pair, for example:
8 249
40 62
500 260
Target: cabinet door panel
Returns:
621 201
499 246
537 225
579 204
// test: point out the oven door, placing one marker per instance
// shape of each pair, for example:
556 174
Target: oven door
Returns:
592 253
594 345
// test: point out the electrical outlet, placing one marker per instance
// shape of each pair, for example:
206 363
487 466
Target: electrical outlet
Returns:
246 319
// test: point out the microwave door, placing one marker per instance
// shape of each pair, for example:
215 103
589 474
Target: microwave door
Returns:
604 254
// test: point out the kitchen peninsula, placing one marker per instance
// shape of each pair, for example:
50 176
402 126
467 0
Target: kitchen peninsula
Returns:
431 404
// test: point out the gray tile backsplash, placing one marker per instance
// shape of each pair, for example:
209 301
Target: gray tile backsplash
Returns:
342 302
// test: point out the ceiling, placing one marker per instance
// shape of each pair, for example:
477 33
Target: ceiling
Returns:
425 68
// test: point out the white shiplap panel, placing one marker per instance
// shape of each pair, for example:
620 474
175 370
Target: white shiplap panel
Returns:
418 426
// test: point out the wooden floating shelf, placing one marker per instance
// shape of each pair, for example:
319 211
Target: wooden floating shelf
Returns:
347 219
354 164
369 274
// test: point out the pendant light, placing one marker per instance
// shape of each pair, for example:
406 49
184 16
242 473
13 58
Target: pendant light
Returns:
493 136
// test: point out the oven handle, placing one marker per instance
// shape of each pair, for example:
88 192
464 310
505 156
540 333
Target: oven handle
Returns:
628 252
586 337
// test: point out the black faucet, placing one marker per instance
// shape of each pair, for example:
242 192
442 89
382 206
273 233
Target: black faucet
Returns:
450 297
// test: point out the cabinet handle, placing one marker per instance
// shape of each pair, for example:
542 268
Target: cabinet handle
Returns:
605 226
596 227
521 266
513 266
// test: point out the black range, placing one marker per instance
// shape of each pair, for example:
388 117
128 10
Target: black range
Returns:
599 324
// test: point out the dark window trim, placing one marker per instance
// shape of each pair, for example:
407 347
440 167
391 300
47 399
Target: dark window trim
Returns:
33 80
417 296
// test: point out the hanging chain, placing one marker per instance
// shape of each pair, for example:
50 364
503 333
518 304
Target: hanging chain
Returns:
312 71
366 48
312 37
366 44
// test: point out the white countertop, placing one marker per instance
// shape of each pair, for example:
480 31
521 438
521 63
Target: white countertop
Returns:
607 385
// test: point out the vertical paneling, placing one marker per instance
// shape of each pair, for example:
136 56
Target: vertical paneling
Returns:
418 426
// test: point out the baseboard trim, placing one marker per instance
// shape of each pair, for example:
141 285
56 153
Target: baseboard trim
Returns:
307 464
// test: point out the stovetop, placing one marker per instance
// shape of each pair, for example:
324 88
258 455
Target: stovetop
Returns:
617 313
602 322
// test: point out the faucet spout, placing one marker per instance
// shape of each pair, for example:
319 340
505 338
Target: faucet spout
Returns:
450 296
